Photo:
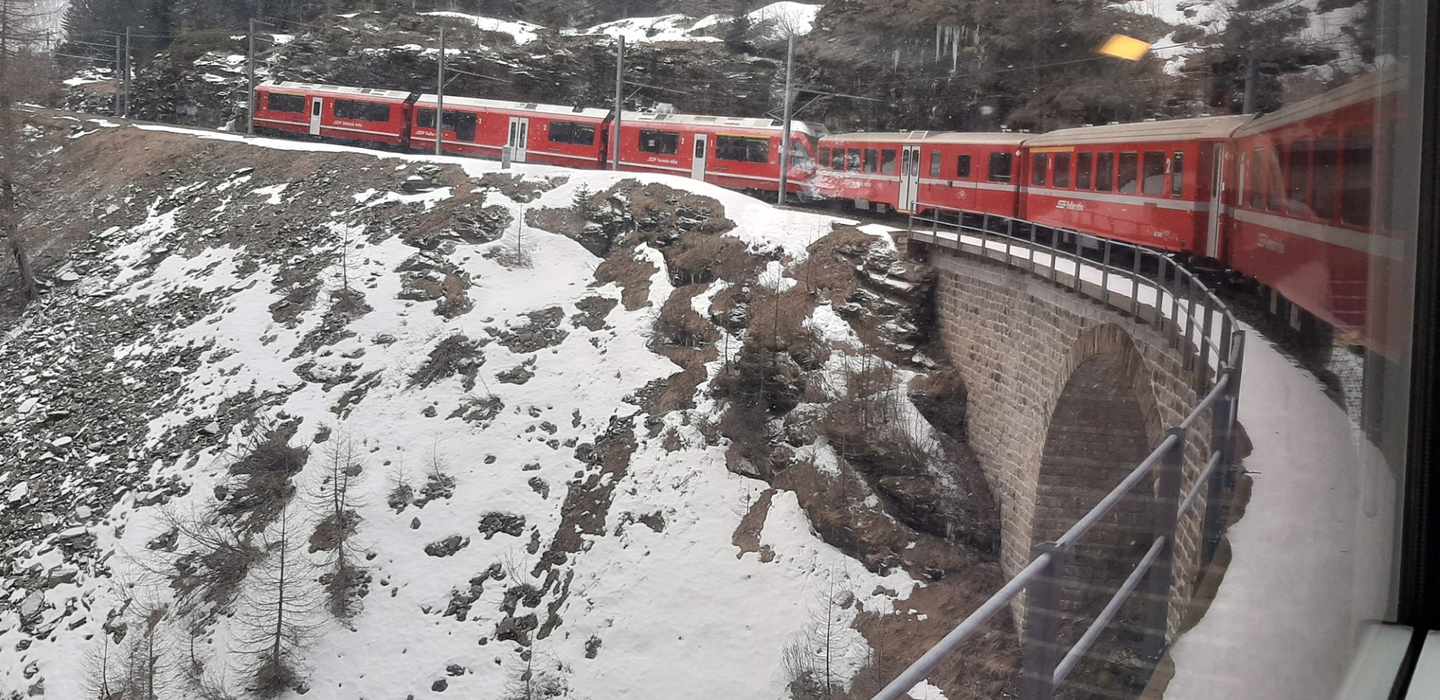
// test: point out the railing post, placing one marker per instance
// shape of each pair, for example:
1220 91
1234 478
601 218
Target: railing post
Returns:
1175 308
1105 277
1041 652
1165 517
1079 287
1135 283
1009 239
1205 328
1222 441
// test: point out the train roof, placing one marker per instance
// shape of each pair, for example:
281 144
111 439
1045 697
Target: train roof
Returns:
1366 87
912 137
337 90
1140 132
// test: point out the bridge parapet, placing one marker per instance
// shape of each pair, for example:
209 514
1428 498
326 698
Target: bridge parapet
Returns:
1103 381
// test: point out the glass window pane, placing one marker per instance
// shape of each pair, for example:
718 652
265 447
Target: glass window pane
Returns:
1083 166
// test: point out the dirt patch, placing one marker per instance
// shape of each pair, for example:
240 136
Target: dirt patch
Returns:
592 312
747 534
541 330
457 355
986 666
518 187
629 272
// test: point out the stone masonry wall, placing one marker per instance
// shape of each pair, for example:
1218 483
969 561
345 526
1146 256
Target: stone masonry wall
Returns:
1017 339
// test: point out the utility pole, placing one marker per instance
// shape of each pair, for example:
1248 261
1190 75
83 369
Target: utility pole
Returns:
115 77
785 133
250 78
1252 74
440 98
619 104
126 111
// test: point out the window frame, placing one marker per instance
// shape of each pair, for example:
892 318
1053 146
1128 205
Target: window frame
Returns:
963 167
367 110
1060 164
1005 158
1148 159
647 133
755 149
1105 171
567 128
302 100
1084 170
1133 160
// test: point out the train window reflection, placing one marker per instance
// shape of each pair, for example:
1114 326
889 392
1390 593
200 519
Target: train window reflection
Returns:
1083 165
1177 174
1062 170
1355 198
1037 169
1105 172
1000 166
887 166
1129 172
962 168
1154 173
1327 157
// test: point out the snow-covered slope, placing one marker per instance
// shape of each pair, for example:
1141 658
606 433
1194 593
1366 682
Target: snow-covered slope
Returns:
176 303
776 20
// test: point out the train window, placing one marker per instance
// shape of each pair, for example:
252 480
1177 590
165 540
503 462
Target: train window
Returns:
1327 172
1274 188
462 123
1062 170
1129 177
825 156
662 142
1297 176
852 161
1255 181
1355 197
1105 172
1038 165
1154 182
571 133
962 168
887 163
837 159
872 160
937 164
1177 174
363 111
1000 167
294 104
1083 165
743 150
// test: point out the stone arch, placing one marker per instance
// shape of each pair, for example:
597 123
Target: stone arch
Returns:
1104 420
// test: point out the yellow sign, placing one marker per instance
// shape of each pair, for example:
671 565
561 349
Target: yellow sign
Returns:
1126 47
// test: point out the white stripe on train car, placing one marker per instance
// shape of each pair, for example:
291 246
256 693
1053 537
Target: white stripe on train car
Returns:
1359 241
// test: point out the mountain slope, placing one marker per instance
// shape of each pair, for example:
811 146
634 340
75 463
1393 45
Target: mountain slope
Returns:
534 484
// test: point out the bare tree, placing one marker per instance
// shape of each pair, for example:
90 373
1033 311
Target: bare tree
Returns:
812 659
280 616
334 504
18 19
137 666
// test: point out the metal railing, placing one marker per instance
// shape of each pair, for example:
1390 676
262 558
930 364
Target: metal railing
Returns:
1211 343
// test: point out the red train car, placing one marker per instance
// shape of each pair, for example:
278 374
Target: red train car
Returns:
534 133
351 114
1157 184
733 152
906 171
1303 220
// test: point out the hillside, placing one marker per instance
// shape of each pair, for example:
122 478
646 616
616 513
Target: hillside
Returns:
494 432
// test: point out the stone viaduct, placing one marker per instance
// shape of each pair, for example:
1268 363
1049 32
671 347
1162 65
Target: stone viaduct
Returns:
1066 396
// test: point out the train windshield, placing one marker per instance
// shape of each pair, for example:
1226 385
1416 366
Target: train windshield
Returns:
1063 349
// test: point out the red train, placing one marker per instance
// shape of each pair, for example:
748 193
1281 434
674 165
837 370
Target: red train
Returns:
732 152
1284 198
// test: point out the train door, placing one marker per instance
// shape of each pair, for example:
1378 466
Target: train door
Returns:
909 178
702 151
1217 204
519 138
317 105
